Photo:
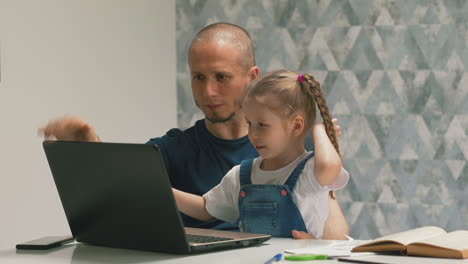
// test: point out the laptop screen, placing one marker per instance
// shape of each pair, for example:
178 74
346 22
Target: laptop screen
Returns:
116 195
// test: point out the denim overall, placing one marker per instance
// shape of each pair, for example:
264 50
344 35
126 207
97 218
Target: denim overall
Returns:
267 208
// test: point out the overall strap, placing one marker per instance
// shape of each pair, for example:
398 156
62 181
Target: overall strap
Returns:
245 172
291 181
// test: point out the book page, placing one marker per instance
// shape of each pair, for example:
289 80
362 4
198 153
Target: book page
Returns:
413 235
455 240
391 259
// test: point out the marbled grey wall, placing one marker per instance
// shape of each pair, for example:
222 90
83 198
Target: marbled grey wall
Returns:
396 75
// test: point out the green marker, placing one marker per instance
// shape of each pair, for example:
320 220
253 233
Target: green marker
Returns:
304 257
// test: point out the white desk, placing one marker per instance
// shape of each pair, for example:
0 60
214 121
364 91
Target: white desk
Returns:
80 253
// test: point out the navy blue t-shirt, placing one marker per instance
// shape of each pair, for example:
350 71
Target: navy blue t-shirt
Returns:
196 161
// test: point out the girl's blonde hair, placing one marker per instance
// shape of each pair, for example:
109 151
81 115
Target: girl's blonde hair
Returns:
297 94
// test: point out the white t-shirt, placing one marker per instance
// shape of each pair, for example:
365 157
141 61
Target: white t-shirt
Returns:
310 197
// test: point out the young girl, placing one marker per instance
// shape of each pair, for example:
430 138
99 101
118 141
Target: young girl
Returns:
286 188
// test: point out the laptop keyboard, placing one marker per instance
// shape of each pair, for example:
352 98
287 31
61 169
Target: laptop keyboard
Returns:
205 239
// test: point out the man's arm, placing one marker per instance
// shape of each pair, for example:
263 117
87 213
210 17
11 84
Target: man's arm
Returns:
69 129
336 227
327 167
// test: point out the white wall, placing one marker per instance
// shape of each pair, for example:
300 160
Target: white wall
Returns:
111 62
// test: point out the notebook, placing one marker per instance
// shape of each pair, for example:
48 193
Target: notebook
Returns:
119 195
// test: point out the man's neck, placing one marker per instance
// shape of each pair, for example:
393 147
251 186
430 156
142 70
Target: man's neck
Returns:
232 129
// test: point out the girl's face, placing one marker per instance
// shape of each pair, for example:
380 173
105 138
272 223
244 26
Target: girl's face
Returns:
268 131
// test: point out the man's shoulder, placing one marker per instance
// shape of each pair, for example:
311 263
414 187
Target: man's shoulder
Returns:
175 135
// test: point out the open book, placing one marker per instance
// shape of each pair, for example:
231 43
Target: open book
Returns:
429 241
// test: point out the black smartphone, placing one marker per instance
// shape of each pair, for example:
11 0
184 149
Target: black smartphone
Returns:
47 242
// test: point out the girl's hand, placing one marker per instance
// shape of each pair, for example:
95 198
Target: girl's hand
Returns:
337 128
301 235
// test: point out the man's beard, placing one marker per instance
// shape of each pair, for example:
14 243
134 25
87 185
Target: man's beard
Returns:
217 120
220 120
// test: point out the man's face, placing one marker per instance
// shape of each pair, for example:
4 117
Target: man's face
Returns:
218 79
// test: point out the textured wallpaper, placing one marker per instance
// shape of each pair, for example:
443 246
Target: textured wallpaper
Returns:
396 76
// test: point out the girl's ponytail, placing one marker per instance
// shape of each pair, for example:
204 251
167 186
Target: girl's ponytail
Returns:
312 88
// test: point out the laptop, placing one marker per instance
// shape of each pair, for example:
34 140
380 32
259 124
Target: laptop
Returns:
119 195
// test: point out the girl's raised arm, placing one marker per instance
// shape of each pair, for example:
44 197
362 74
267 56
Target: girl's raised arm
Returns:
327 161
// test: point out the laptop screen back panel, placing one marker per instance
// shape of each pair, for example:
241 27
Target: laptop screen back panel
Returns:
109 204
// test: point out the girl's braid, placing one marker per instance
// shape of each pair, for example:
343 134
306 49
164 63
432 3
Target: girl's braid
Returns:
317 94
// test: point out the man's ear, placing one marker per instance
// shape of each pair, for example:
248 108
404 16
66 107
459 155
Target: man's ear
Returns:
298 125
254 73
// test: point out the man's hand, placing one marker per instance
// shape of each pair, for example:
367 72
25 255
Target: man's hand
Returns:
301 235
69 128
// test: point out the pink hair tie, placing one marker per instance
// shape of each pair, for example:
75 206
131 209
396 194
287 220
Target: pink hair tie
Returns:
300 78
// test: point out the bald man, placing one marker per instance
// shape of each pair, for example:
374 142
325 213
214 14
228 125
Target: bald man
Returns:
222 64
